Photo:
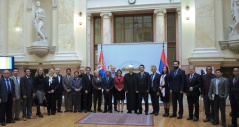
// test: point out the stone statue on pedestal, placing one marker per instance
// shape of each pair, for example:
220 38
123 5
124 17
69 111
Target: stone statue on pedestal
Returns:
234 35
39 22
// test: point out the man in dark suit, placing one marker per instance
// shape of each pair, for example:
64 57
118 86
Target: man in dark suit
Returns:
142 88
60 89
154 87
208 104
27 94
177 82
218 92
87 90
234 96
108 85
113 74
76 86
7 96
193 83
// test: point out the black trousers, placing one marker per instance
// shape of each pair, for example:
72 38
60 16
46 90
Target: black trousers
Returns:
82 100
76 97
51 102
6 110
209 107
87 101
97 97
27 107
219 103
108 101
154 100
59 100
235 110
140 97
193 104
177 97
115 101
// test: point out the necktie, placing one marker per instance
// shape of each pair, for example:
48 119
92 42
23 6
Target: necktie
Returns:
77 85
29 81
235 81
107 80
17 81
8 85
142 75
190 78
152 79
175 72
89 77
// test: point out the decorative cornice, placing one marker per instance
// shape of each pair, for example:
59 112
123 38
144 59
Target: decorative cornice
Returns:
159 11
105 14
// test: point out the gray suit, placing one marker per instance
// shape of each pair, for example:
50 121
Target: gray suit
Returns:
220 98
67 95
16 108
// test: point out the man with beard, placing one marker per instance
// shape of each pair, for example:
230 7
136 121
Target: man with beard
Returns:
130 80
177 82
208 104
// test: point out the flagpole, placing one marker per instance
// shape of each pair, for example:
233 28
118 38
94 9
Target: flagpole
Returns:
101 46
163 45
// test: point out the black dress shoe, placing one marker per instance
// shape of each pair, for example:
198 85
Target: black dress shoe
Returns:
146 113
94 111
110 111
139 113
215 123
129 112
212 120
195 119
59 111
152 112
105 112
116 109
99 110
75 111
156 114
80 110
66 111
173 115
11 121
224 124
179 117
232 125
90 111
17 119
85 111
70 111
53 113
3 124
189 118
206 120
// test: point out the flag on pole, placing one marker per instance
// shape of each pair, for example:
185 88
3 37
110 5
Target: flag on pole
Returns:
101 64
163 61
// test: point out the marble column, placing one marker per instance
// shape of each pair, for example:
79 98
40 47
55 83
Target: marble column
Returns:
106 27
3 27
89 44
179 36
160 25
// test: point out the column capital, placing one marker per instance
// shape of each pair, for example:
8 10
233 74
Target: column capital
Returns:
105 14
179 11
159 11
89 16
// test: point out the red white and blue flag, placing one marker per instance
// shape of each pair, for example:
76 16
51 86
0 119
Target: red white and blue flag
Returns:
101 65
163 62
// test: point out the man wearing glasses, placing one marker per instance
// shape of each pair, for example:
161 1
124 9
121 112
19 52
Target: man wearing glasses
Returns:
208 104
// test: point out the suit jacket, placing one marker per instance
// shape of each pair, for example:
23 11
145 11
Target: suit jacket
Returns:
67 82
195 82
142 84
234 89
87 85
4 92
119 84
204 79
177 82
74 86
48 86
27 88
109 85
222 88
156 82
17 87
60 83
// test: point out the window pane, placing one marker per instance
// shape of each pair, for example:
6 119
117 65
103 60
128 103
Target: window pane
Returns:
147 24
171 56
97 30
171 28
138 29
128 27
119 29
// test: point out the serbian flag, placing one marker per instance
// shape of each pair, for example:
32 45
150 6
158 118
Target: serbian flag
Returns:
163 62
101 65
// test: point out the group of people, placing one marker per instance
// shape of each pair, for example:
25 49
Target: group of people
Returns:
18 93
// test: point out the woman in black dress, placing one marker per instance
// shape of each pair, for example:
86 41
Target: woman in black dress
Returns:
97 90
164 90
50 88
39 80
119 89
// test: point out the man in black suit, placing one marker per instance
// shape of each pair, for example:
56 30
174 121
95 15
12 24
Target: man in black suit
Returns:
193 83
87 90
7 96
142 88
208 104
234 96
60 89
113 74
218 92
177 82
108 85
154 87
27 94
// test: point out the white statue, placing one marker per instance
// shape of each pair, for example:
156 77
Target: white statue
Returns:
235 15
38 21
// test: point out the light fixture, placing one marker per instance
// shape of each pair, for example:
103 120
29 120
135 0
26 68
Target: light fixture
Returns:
187 8
81 19
18 29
